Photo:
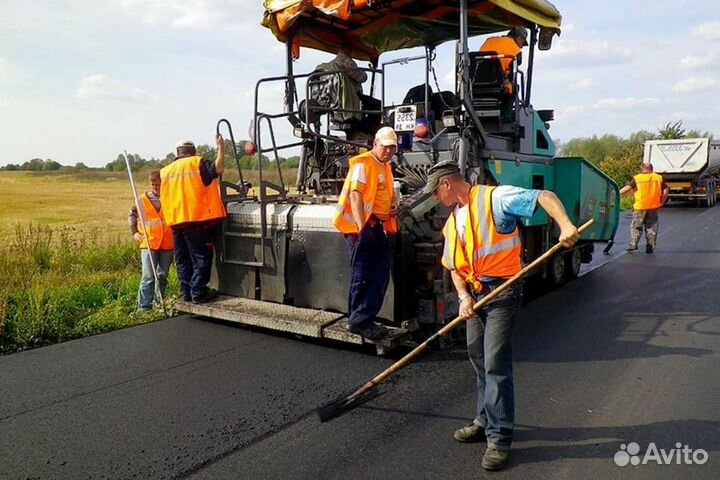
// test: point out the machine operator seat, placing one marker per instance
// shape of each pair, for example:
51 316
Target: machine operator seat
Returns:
331 90
488 93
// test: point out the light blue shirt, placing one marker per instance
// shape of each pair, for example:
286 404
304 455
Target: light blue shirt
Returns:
510 204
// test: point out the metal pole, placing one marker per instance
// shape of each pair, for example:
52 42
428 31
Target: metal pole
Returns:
464 82
427 87
531 61
141 215
290 83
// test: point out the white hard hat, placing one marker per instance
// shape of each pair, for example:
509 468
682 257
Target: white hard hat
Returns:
185 143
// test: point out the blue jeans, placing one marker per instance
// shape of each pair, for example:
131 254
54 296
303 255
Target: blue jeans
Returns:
489 344
194 246
162 260
369 273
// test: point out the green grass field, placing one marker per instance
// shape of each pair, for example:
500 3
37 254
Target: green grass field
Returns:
68 266
91 201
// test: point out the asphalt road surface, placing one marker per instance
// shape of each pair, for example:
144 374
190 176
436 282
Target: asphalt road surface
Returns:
626 356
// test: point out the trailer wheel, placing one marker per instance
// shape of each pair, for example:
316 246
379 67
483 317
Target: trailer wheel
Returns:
573 261
556 269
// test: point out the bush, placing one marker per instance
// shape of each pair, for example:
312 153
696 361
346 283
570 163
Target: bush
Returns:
56 285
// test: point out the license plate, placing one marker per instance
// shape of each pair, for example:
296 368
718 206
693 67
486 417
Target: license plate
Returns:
405 118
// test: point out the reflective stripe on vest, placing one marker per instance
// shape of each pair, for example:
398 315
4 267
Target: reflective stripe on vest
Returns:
344 220
493 254
648 193
183 195
158 232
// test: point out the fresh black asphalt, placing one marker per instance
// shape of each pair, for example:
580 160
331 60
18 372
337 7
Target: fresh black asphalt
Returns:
629 352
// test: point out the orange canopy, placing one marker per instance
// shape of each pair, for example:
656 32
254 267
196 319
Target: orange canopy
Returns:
367 28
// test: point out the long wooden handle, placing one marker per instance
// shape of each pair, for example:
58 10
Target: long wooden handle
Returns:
460 319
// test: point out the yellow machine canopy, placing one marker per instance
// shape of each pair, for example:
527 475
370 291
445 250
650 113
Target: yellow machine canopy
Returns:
367 28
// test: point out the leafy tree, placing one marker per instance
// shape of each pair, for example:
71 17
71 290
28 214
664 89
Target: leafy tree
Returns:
51 165
594 149
35 164
671 131
291 162
624 163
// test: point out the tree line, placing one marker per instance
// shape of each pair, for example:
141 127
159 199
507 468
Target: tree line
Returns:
620 158
137 162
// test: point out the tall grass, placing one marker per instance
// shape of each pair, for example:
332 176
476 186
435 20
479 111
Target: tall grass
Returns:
61 283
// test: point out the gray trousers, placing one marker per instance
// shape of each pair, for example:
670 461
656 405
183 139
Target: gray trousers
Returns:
644 220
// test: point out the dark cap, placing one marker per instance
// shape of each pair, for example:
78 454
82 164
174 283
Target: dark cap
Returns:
518 32
437 172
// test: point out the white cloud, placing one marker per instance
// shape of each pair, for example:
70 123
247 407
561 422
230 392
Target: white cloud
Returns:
694 84
590 52
707 30
696 62
624 104
4 102
9 71
194 14
609 106
567 28
584 84
103 87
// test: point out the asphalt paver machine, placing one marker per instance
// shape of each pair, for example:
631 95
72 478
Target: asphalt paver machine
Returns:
281 265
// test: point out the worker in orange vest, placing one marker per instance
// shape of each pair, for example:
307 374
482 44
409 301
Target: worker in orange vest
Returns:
366 216
483 249
510 47
158 243
651 193
194 210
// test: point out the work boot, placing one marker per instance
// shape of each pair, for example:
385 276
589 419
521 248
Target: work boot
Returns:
649 248
209 294
371 332
472 433
630 248
494 459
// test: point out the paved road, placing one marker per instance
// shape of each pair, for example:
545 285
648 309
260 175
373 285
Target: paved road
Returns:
627 353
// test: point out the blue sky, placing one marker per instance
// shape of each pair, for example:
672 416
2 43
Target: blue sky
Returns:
83 80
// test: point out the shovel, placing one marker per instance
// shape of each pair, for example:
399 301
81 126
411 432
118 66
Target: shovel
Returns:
335 408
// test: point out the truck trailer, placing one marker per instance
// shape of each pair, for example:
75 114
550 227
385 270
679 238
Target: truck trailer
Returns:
282 265
689 166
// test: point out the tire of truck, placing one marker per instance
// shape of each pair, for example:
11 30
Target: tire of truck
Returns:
556 269
573 261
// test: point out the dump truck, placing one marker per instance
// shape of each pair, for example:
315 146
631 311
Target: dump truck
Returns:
282 265
689 166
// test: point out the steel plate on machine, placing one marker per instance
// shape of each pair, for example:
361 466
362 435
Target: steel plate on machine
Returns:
285 318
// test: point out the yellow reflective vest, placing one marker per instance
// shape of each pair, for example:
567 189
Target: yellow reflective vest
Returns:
374 171
484 252
157 231
648 191
184 196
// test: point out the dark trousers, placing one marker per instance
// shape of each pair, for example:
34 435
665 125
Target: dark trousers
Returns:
369 273
194 244
489 343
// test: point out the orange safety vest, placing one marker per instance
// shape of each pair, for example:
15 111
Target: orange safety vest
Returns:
183 195
344 220
158 232
502 46
648 192
493 254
